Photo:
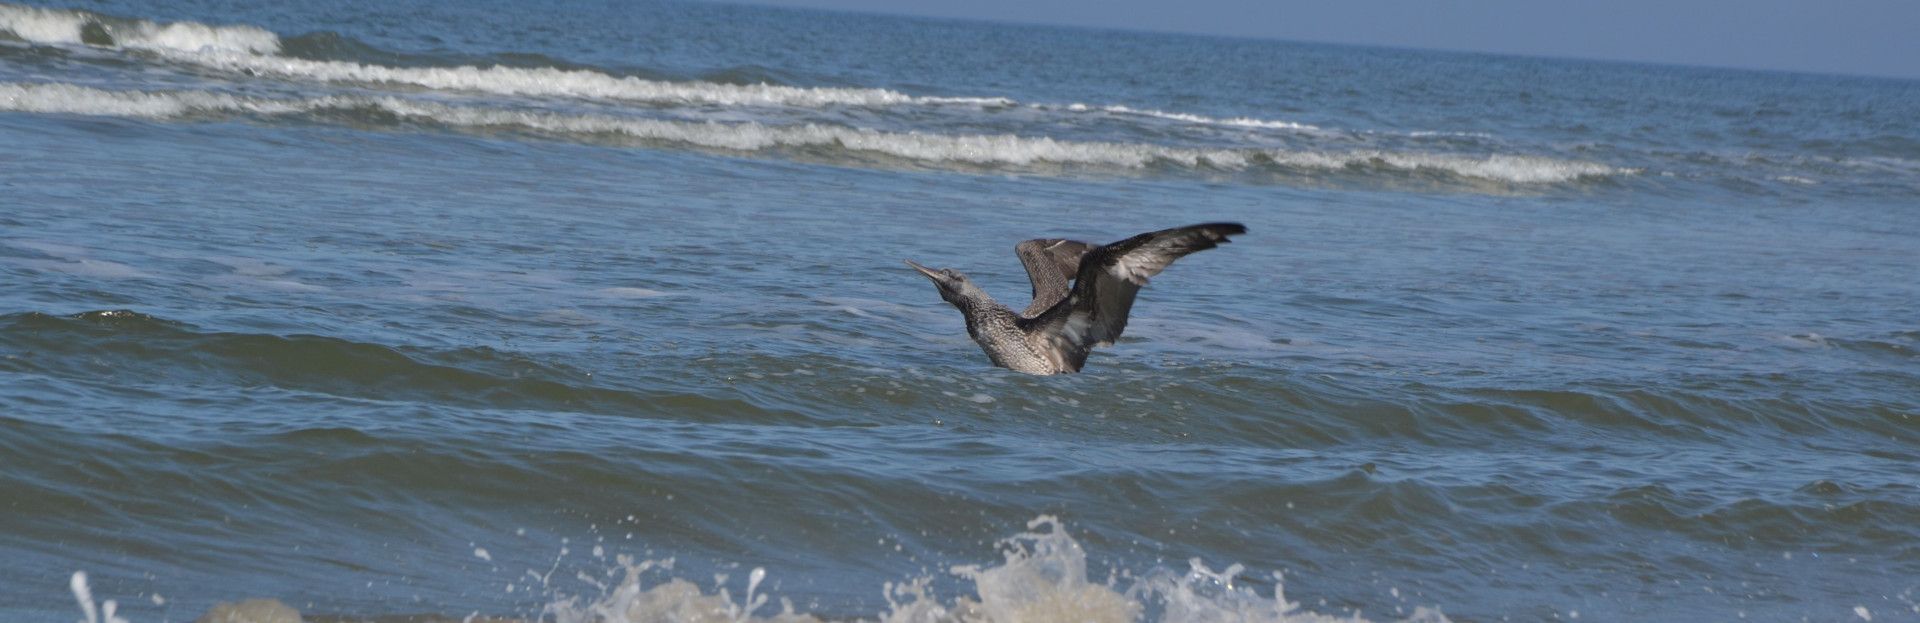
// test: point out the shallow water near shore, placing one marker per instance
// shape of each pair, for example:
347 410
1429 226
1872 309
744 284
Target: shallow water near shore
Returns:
596 312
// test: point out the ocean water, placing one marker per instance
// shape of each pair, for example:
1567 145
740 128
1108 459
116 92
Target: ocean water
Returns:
594 311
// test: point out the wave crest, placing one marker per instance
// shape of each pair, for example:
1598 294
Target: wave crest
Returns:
63 26
837 144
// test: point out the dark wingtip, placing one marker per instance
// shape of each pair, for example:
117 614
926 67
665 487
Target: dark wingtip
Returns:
1222 230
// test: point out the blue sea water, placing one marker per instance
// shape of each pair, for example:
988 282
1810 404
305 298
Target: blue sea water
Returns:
595 311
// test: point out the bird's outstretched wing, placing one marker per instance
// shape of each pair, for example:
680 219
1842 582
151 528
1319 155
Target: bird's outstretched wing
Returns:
1051 264
1095 310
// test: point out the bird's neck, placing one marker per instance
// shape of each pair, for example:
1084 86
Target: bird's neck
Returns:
980 309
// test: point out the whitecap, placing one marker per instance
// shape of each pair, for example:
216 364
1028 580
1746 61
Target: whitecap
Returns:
61 26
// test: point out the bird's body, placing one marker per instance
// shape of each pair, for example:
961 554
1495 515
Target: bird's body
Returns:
1081 295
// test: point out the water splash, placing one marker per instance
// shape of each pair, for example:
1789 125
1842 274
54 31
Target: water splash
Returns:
105 613
1041 578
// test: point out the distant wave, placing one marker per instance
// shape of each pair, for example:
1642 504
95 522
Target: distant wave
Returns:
251 51
254 51
934 150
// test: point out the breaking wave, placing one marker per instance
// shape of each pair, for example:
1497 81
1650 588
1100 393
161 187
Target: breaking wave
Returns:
834 143
61 26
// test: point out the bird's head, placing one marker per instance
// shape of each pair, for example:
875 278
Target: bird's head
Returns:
954 287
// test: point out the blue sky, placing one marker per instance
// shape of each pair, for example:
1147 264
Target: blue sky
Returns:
1872 37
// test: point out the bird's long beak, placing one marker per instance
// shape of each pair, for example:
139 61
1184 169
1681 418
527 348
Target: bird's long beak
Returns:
924 270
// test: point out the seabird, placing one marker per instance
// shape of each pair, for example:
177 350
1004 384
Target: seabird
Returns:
1065 322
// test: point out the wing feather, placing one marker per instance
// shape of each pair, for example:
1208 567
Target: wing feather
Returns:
1094 312
1051 265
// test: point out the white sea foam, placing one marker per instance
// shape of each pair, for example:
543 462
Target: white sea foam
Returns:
926 149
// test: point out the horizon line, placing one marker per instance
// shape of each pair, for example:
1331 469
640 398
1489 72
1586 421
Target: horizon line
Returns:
1828 73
